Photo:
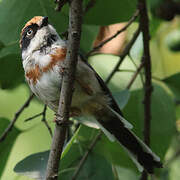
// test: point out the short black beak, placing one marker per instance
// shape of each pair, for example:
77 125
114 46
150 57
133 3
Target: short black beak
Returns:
44 22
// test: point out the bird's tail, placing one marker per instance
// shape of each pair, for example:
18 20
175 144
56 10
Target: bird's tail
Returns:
140 153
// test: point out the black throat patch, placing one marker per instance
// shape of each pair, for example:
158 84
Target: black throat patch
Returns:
50 39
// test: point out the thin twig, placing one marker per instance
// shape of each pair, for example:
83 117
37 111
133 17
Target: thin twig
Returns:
133 71
43 114
33 117
144 25
60 4
44 120
83 160
140 73
115 35
124 54
135 75
75 17
17 114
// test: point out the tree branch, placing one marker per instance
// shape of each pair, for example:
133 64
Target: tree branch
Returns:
144 25
75 13
89 5
133 18
17 114
123 55
83 160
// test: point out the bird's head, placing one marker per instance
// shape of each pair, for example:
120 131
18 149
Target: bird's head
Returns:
37 35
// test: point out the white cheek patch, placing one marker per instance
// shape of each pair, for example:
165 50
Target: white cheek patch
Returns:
38 40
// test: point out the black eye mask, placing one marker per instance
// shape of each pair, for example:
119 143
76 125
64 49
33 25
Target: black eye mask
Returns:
25 39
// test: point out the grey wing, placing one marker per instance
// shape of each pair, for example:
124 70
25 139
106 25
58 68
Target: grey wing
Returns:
104 88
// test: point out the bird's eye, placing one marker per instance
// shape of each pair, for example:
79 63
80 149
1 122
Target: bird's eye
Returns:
29 32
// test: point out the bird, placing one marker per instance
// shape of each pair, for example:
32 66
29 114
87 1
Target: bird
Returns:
43 54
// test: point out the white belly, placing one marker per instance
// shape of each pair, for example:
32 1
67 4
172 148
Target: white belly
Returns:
47 88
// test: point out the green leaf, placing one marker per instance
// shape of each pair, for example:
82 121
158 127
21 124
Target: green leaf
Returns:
122 98
155 3
154 25
72 156
173 40
70 143
6 145
33 166
95 167
1 45
136 51
163 118
173 83
11 71
10 48
107 12
174 173
124 173
88 35
114 153
32 143
35 136
111 151
105 63
171 170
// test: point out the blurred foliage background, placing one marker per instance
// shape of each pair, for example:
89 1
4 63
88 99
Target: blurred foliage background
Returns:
24 153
